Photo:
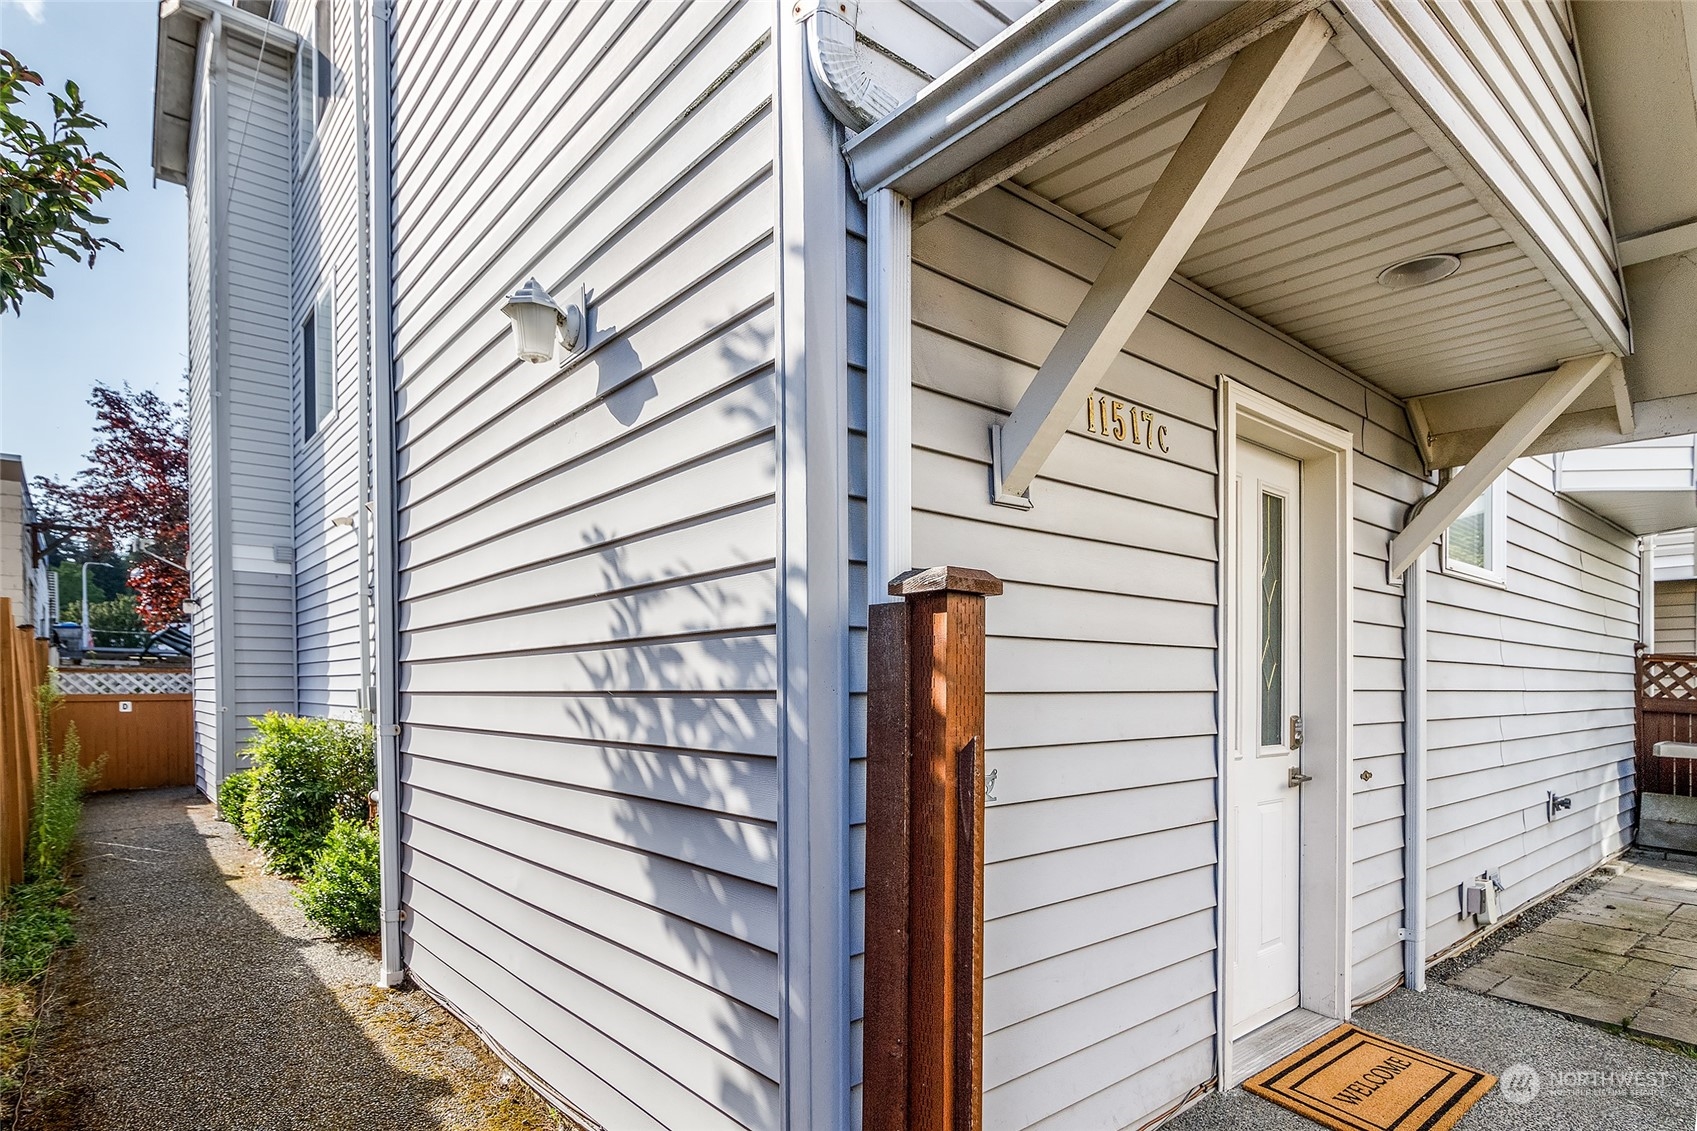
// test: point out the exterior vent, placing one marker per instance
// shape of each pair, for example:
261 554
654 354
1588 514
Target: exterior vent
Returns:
283 552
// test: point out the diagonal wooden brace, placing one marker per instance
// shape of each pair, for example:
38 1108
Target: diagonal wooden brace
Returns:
1561 389
1260 81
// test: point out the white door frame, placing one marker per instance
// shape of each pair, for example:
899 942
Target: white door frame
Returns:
1327 581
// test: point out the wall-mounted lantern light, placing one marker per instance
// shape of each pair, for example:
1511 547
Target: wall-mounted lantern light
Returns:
537 319
343 520
191 608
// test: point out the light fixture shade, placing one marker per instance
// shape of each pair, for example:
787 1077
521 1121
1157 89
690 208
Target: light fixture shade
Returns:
536 318
1419 271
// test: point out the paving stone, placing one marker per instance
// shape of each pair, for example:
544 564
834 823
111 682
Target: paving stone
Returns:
1593 936
1628 994
1563 999
1669 996
1683 892
1665 948
1669 1024
1685 978
1511 964
1644 922
1558 949
1478 979
1652 970
1679 929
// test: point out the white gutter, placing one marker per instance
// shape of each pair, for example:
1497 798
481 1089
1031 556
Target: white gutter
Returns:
1414 775
393 967
1033 71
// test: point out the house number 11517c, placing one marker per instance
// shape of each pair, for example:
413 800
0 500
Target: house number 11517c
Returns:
1105 416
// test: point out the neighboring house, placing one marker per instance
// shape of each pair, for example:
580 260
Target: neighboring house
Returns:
609 611
1648 488
24 573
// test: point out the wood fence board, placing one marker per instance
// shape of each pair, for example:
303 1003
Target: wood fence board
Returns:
147 747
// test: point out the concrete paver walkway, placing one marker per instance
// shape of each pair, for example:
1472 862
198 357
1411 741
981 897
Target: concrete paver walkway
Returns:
198 997
1621 949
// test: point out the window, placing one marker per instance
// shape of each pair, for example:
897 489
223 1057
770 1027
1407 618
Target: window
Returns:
1476 543
318 366
312 81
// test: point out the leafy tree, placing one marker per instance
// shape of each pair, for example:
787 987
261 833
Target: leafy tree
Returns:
106 618
135 489
49 182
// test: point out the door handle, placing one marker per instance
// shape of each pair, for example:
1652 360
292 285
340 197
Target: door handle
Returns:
1297 777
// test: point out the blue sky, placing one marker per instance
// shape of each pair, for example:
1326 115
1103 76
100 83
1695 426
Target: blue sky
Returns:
127 320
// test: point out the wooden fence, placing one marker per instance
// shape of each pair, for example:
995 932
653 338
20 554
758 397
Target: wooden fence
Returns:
23 668
145 740
1667 712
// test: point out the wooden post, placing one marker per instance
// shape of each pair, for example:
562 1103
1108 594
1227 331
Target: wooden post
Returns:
924 1027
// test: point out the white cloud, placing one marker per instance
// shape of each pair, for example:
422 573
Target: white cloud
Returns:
34 9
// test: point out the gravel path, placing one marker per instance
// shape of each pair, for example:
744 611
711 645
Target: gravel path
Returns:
199 997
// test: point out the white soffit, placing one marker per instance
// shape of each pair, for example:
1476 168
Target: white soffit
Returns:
1341 188
1648 487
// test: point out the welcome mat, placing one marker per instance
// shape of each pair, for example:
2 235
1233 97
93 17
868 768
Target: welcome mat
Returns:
1353 1080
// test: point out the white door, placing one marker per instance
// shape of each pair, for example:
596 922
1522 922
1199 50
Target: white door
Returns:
1265 761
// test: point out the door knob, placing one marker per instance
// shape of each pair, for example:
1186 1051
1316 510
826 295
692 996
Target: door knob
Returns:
1297 777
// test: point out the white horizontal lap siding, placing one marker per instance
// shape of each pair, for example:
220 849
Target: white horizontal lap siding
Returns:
202 478
1101 720
255 252
1676 616
1531 692
587 587
327 473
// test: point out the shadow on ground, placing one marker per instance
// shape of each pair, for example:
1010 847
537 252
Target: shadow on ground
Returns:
197 996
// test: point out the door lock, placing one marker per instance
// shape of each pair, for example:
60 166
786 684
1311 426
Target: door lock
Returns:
1296 732
1297 777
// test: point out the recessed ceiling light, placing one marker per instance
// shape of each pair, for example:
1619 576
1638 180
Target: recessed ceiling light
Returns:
1419 271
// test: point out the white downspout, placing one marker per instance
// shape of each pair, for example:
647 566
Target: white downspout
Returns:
1647 592
393 968
889 391
362 517
1414 775
838 63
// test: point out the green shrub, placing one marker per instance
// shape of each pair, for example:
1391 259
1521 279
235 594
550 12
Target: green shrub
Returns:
34 923
340 889
232 796
305 772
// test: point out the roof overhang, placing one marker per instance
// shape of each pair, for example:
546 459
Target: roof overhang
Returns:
177 65
1645 488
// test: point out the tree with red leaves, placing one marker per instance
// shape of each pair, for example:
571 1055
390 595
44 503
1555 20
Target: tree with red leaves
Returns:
135 490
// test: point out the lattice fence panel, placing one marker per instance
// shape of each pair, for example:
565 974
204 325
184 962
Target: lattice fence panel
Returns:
1667 678
141 681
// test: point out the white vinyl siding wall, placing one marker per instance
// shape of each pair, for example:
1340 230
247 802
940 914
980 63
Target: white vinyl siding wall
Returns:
1100 877
1530 691
203 558
587 585
327 474
258 381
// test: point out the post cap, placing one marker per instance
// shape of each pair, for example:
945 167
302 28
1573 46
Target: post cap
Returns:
946 579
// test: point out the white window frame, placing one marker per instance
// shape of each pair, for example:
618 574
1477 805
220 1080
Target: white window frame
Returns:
1495 572
313 78
322 317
